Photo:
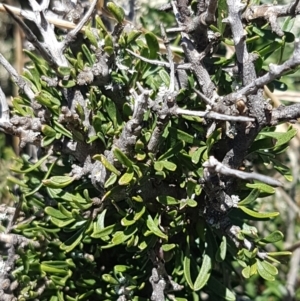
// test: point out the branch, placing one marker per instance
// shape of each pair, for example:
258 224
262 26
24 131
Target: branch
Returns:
133 127
285 113
185 66
17 79
212 115
209 15
73 33
271 13
275 71
50 49
215 166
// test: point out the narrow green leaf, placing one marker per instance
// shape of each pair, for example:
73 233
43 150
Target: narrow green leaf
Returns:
282 138
280 253
111 180
122 158
258 214
262 187
64 211
117 11
273 237
58 181
126 178
64 71
104 232
169 165
55 213
90 35
106 163
165 77
187 269
204 273
154 228
73 241
152 44
172 151
121 236
167 200
221 253
250 198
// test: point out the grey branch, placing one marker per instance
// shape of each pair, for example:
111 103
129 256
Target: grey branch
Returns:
160 63
275 71
215 166
213 115
133 127
285 113
73 33
50 49
17 79
209 15
271 13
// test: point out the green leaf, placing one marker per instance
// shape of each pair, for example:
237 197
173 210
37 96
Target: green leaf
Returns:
246 272
61 129
32 167
165 77
158 165
55 213
90 35
126 178
197 154
180 135
262 187
282 138
109 279
67 83
58 181
64 211
187 269
221 253
100 23
111 180
88 55
73 241
172 151
152 226
168 247
100 233
122 158
250 198
167 200
152 44
48 130
204 273
64 71
169 165
55 267
106 163
280 253
263 272
273 237
117 11
121 236
258 214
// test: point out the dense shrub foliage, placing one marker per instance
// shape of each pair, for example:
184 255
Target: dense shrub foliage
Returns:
150 155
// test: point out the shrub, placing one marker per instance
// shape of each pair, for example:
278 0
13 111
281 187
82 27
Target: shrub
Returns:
150 158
